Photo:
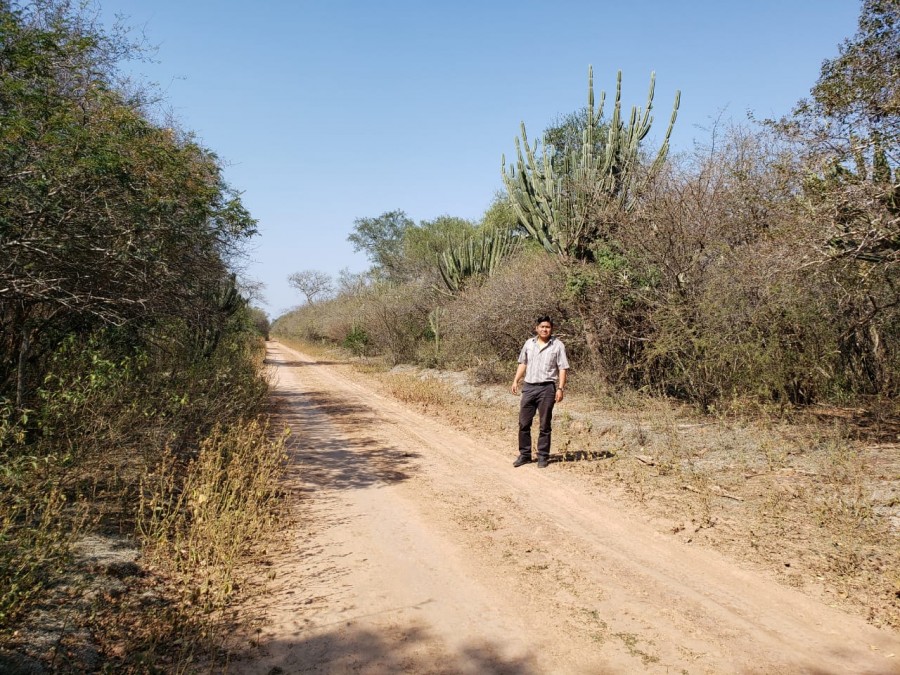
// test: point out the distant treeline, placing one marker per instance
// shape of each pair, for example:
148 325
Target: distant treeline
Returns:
763 267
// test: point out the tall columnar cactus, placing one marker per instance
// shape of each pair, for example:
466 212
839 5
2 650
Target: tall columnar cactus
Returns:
226 300
569 208
478 254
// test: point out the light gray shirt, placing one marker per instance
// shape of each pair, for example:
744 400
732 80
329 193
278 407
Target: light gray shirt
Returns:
542 364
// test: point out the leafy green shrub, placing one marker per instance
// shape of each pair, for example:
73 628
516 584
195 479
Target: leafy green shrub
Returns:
357 341
35 536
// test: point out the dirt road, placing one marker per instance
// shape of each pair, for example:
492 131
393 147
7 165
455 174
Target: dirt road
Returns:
420 549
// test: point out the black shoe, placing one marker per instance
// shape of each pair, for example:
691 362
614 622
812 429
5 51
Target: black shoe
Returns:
522 459
543 462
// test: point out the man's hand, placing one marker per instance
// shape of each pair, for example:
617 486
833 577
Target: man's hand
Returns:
518 377
559 395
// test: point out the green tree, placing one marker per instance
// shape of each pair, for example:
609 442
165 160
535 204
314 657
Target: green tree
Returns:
500 215
105 218
402 251
568 133
424 244
260 321
381 239
860 89
849 135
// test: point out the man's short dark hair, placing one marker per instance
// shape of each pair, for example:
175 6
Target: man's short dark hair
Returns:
542 319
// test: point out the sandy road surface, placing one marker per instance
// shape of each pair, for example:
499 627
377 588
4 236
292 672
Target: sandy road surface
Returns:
420 549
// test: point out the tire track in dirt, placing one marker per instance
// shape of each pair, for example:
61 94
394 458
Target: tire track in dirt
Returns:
420 549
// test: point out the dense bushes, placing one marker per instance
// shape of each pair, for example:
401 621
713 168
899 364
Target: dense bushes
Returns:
125 346
105 218
385 318
490 321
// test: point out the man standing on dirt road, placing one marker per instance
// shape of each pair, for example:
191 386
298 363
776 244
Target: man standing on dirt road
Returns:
543 365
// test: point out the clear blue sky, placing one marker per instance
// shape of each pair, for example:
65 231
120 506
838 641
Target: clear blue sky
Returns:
334 110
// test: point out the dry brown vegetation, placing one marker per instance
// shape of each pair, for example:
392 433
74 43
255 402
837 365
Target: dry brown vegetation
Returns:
129 553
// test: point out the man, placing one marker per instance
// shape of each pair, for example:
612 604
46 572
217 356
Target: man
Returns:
543 365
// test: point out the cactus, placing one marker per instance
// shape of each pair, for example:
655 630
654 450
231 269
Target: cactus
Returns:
477 254
225 300
567 209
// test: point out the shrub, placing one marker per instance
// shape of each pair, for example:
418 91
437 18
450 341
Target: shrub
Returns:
357 341
202 516
493 320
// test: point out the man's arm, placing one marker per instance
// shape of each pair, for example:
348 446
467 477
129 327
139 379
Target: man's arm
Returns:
520 373
563 373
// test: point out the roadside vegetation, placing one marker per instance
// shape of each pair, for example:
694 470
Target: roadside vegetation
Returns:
753 282
136 466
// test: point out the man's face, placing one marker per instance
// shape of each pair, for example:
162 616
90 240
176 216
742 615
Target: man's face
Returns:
544 328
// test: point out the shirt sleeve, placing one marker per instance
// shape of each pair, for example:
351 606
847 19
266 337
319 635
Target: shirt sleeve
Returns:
562 360
523 355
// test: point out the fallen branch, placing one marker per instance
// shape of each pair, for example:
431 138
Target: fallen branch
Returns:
715 489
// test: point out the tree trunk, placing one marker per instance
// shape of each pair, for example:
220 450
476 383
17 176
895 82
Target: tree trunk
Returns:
24 348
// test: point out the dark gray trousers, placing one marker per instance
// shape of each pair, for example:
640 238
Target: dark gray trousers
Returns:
536 398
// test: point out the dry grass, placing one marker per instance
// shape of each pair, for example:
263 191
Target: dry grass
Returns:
204 526
316 349
202 520
189 521
423 392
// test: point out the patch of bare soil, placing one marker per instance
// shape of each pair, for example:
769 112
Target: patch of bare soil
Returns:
418 548
87 621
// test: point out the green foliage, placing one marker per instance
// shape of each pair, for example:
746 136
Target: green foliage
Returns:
568 134
424 244
122 330
381 239
105 218
849 134
500 215
357 341
402 251
260 321
859 88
